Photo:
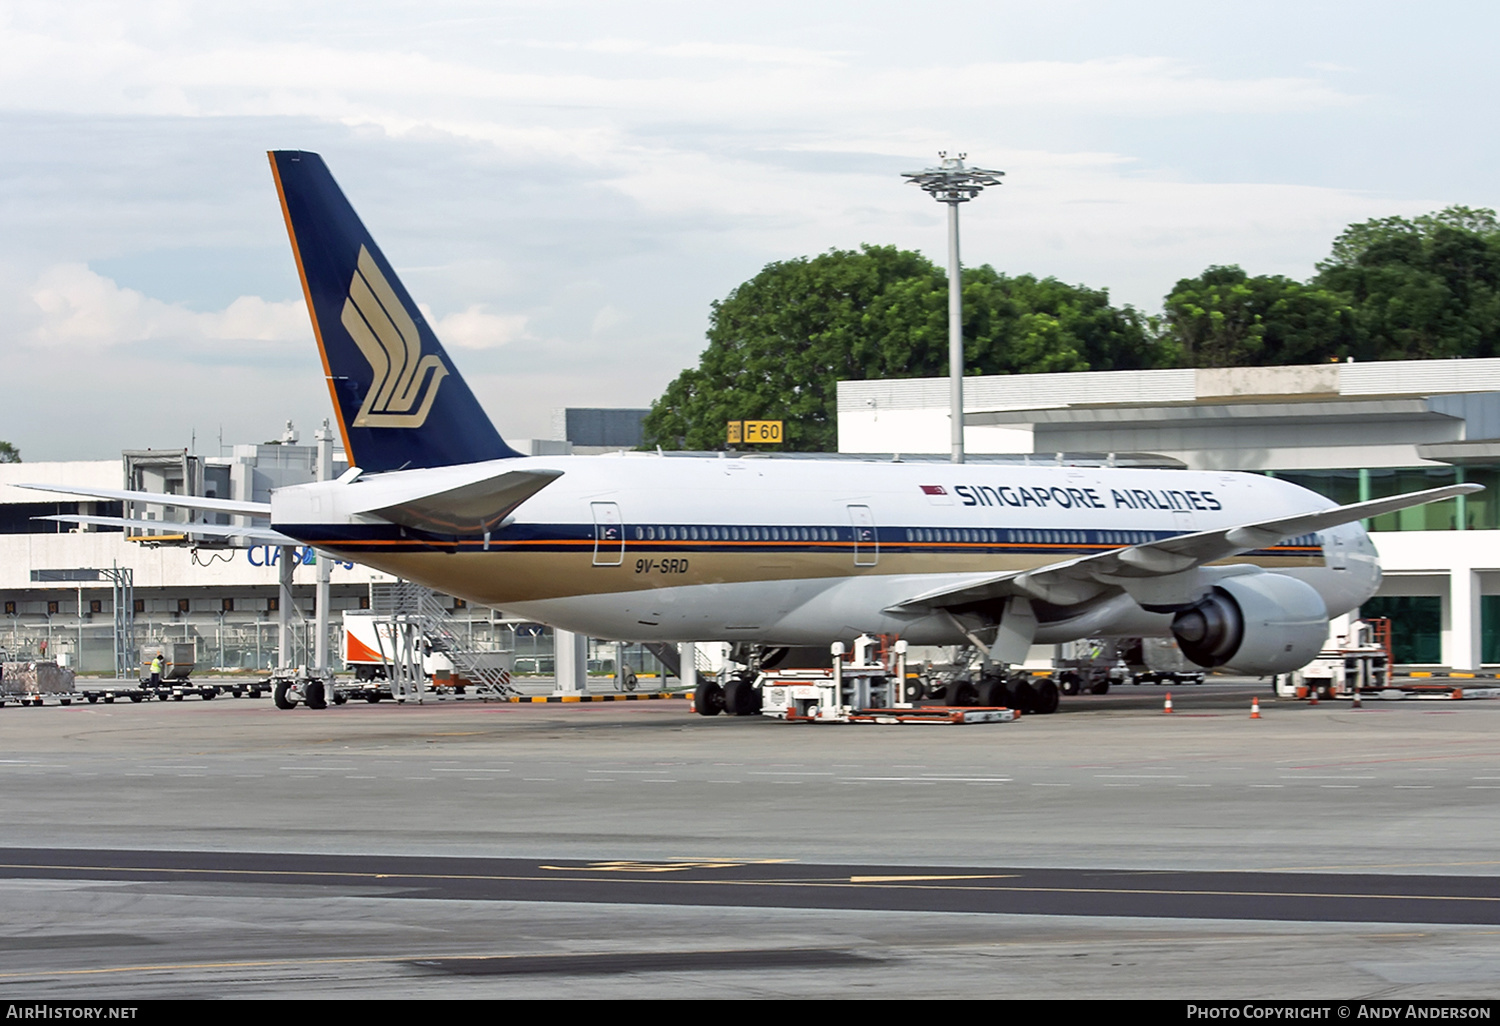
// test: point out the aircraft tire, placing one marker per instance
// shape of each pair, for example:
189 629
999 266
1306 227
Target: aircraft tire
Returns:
314 695
740 698
1024 696
1046 699
960 692
708 699
279 696
993 692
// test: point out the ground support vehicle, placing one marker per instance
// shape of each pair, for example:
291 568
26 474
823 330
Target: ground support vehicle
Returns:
1093 665
177 690
1169 677
244 688
34 682
1360 662
1450 692
1098 664
867 688
401 654
111 691
291 688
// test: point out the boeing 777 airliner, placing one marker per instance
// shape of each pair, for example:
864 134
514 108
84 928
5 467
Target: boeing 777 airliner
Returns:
1243 570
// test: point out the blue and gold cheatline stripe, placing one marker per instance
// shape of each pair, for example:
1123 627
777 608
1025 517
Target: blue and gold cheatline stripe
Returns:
706 538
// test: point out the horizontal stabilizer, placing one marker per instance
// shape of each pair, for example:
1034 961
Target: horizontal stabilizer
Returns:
1078 580
476 508
260 534
244 509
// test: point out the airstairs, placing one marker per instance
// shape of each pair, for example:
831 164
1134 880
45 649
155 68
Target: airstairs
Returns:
410 603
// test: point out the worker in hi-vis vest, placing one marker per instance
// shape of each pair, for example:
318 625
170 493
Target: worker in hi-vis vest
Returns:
156 669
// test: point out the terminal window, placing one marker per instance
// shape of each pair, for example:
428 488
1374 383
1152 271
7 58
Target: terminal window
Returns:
1416 626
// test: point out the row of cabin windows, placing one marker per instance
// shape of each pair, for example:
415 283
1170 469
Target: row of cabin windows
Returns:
654 533
920 534
916 534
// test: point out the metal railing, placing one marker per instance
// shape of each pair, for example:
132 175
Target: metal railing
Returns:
406 602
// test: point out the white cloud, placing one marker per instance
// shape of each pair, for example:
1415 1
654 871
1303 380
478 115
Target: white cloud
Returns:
476 328
73 307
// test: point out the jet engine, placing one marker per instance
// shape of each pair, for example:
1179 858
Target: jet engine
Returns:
1256 624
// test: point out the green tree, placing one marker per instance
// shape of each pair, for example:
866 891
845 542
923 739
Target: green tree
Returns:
9 453
1426 287
780 343
1225 318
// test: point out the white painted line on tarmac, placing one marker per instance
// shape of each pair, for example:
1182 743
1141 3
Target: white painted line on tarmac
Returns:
941 780
791 773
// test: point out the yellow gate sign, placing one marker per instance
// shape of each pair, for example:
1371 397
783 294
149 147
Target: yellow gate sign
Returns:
762 432
755 432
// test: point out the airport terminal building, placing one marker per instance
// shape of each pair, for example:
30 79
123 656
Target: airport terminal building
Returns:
1350 431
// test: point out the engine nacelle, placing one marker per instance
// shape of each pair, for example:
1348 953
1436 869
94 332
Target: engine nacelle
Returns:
1257 624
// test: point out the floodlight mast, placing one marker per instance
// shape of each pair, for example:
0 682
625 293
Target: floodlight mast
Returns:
953 183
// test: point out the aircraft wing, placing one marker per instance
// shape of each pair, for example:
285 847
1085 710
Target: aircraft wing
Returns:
1078 580
468 509
244 509
260 534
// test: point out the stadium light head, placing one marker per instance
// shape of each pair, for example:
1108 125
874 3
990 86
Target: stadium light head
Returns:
952 182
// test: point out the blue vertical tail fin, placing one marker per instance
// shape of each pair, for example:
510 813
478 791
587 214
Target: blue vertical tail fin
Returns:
401 403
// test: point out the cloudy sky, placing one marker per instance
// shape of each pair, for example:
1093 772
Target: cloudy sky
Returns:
566 186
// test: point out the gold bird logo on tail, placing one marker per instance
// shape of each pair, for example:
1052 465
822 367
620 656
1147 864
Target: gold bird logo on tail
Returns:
388 338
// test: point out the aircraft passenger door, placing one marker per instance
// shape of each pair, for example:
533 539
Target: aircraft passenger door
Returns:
866 541
1335 548
609 534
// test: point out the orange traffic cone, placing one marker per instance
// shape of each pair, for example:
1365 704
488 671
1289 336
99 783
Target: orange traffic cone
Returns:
1312 696
1357 704
1169 703
1255 708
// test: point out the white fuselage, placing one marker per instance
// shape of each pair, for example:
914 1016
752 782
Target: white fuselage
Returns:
791 551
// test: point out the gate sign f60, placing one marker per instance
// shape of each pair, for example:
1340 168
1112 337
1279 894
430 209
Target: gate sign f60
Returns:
755 432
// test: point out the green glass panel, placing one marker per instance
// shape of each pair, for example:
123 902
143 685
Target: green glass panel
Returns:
1483 508
1435 516
1489 629
1342 486
1416 625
